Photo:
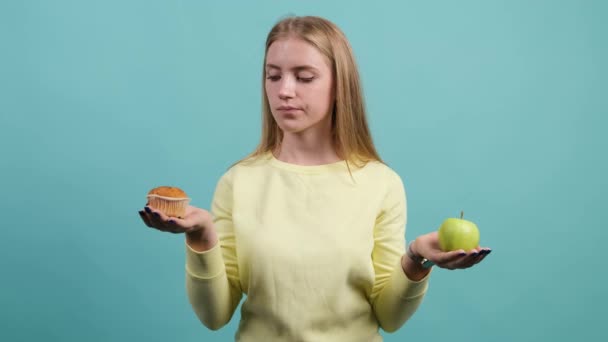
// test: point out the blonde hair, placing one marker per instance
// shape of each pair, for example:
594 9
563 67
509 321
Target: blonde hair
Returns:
350 132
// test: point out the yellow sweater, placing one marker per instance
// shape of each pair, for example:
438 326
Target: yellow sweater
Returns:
316 252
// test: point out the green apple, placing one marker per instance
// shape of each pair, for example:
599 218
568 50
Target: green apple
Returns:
458 233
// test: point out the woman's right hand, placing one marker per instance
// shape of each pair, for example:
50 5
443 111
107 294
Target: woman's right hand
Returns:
195 220
197 225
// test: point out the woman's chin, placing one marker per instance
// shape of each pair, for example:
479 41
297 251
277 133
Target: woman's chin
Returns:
291 127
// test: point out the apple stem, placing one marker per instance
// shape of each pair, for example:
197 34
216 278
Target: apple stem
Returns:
461 214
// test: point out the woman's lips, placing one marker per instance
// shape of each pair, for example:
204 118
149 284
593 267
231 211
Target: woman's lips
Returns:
288 108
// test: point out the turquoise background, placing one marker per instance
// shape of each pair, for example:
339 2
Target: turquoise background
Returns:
497 108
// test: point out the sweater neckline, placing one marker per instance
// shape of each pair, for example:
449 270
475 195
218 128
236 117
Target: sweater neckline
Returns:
330 167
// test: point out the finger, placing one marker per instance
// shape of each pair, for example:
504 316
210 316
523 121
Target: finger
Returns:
174 227
482 255
157 218
470 259
151 219
479 259
448 257
144 217
461 260
473 257
452 263
180 223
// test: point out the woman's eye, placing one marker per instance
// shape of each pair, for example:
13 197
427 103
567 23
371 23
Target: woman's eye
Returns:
273 77
305 79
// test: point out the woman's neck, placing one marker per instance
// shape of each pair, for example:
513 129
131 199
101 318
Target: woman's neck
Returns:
303 149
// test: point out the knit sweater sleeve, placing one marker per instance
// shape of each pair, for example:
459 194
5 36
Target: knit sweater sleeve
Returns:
212 277
394 297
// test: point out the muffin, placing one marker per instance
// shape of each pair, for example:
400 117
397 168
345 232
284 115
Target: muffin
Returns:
170 200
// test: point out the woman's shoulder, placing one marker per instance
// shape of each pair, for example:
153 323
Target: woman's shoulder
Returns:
251 162
377 175
246 166
380 169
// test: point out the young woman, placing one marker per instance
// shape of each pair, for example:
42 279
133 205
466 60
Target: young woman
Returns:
311 225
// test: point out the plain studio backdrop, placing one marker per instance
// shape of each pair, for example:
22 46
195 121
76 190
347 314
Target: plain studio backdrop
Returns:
497 108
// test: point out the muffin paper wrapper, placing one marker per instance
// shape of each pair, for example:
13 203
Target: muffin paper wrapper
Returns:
175 207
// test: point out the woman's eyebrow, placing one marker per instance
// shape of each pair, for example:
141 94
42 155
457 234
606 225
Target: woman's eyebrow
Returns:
296 68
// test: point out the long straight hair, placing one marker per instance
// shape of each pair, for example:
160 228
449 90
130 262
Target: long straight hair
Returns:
351 136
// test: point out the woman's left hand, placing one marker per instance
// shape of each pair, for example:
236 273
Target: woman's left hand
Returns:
428 246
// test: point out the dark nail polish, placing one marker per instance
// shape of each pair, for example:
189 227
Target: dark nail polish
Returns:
157 215
171 222
462 253
474 254
488 251
148 210
141 212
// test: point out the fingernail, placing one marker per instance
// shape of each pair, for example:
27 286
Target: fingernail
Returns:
474 254
141 212
488 251
462 253
148 210
171 222
156 215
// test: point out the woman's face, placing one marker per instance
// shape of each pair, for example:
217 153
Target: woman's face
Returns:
299 86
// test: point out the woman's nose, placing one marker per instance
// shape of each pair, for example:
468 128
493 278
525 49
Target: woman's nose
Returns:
287 88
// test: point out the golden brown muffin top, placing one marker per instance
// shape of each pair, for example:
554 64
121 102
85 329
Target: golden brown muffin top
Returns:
168 191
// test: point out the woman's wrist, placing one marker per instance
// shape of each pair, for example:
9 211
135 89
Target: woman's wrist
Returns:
414 269
201 240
